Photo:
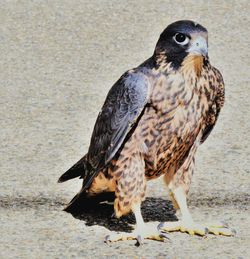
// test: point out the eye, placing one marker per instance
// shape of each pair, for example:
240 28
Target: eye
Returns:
181 38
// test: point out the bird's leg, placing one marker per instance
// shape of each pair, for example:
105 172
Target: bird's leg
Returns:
186 224
142 230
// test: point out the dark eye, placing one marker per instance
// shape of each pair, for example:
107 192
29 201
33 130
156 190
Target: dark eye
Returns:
181 38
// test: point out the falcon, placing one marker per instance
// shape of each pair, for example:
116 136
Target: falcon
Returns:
151 124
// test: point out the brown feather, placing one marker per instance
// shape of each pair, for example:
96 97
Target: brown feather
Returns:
193 63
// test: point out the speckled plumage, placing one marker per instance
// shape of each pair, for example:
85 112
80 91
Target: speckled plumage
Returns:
168 133
152 122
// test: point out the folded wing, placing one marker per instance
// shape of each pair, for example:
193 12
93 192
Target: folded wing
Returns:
123 107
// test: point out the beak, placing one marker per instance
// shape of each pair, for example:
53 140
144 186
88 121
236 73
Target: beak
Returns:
198 46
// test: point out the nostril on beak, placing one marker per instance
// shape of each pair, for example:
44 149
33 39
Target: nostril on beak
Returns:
199 46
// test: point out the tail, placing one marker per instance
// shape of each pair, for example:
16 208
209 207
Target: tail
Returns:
77 170
83 202
76 203
85 171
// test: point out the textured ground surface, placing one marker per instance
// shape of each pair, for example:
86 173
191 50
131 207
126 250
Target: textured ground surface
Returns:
58 59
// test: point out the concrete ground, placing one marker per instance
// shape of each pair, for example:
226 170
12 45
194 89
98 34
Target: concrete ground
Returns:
58 59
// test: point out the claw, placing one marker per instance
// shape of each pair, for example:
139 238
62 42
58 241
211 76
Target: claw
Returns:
139 241
148 232
107 239
160 226
164 237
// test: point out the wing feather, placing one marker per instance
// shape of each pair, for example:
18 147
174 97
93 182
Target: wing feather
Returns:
214 111
123 105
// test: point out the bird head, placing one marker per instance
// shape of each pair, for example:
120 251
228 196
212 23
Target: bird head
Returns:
180 40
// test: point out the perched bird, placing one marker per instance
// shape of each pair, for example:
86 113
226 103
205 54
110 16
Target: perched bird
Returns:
151 124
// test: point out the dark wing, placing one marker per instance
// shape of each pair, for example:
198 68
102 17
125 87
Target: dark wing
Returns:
77 170
217 105
124 104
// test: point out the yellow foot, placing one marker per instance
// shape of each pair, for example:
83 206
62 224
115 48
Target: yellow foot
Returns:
148 232
195 229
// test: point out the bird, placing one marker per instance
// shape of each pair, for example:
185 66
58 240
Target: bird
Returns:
152 122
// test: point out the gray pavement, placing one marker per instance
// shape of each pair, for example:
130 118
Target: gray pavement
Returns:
58 60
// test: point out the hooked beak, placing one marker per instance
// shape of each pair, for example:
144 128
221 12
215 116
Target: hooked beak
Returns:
198 47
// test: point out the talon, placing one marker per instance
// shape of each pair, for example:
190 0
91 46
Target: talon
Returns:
164 237
107 239
160 226
139 240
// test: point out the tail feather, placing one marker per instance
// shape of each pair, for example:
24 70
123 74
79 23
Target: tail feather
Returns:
74 204
77 170
83 202
84 170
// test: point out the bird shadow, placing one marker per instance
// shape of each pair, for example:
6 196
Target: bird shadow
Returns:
96 212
